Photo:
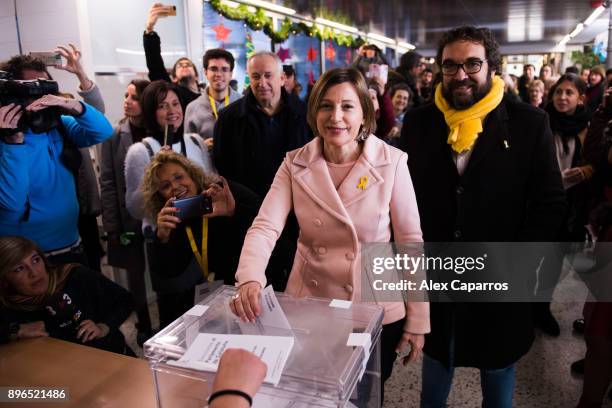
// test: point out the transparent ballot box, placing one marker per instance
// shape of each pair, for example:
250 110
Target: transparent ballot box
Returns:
334 360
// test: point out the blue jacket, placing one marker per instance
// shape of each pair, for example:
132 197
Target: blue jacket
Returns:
33 175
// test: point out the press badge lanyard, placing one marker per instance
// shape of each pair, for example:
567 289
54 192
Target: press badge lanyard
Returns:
202 257
213 103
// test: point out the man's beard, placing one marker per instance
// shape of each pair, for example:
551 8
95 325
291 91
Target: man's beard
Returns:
464 101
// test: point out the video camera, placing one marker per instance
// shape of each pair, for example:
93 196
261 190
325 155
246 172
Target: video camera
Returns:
23 93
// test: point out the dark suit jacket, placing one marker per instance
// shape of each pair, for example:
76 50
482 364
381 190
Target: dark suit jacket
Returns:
510 191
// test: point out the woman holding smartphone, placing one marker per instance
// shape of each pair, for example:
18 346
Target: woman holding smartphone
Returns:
190 244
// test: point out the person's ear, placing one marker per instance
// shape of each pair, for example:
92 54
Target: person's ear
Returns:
581 99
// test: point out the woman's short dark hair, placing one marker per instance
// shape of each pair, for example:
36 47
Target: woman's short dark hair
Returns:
218 53
140 85
481 36
338 76
402 86
580 85
150 99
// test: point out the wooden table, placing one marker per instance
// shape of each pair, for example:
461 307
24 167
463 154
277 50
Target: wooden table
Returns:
95 378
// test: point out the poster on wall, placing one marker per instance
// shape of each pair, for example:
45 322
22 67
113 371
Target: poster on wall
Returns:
303 52
235 37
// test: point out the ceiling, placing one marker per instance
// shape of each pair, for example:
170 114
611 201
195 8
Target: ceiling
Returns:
520 26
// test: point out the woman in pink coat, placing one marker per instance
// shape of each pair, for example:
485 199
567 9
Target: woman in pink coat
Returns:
346 188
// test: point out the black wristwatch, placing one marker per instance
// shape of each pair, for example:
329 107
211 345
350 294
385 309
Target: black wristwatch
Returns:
14 331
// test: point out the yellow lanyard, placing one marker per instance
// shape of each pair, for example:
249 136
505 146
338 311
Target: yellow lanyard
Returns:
202 258
213 104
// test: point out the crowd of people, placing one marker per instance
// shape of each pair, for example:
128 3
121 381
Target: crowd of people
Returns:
295 188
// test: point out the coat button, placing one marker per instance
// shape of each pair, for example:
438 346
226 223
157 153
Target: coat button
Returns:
322 250
460 190
348 288
318 222
458 234
350 256
314 283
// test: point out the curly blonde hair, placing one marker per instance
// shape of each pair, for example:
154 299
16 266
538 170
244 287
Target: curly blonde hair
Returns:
153 200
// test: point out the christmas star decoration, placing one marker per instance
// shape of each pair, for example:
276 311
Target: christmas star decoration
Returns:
330 52
312 54
221 32
283 54
348 56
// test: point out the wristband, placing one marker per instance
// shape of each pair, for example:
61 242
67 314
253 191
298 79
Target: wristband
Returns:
217 394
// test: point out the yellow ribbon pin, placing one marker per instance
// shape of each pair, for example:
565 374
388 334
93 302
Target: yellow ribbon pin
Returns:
363 182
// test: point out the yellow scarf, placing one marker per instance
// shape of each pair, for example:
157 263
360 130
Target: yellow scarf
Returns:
465 125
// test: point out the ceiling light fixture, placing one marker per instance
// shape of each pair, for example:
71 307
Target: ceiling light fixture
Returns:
405 45
596 13
577 30
381 38
333 24
564 41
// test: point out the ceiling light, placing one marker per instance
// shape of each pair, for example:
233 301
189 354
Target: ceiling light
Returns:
336 25
381 38
577 30
269 6
405 45
596 13
564 41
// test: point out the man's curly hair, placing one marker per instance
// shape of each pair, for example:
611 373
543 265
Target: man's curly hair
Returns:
482 36
18 63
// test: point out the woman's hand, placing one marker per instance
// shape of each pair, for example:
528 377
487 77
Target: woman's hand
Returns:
245 303
167 220
68 106
32 330
394 132
223 202
416 342
154 14
238 370
573 176
73 64
88 330
9 118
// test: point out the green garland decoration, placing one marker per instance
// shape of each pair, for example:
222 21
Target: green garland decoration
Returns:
259 21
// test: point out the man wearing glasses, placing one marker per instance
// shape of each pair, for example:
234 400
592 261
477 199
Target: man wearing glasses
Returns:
202 113
484 170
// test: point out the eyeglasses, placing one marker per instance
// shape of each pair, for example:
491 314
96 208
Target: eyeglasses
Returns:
184 65
225 70
469 67
165 187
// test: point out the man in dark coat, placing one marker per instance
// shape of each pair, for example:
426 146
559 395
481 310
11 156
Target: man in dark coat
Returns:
251 139
497 184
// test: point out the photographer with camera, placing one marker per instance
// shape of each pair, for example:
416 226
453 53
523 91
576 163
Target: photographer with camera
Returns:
39 134
25 67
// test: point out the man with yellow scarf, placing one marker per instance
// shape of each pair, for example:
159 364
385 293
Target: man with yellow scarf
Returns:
484 170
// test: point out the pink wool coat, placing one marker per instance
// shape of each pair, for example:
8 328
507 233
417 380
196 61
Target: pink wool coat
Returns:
334 223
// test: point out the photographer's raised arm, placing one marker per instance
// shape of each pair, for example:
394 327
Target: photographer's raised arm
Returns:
88 90
152 46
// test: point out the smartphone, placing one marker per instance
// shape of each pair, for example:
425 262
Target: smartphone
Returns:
193 207
168 11
50 59
380 71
